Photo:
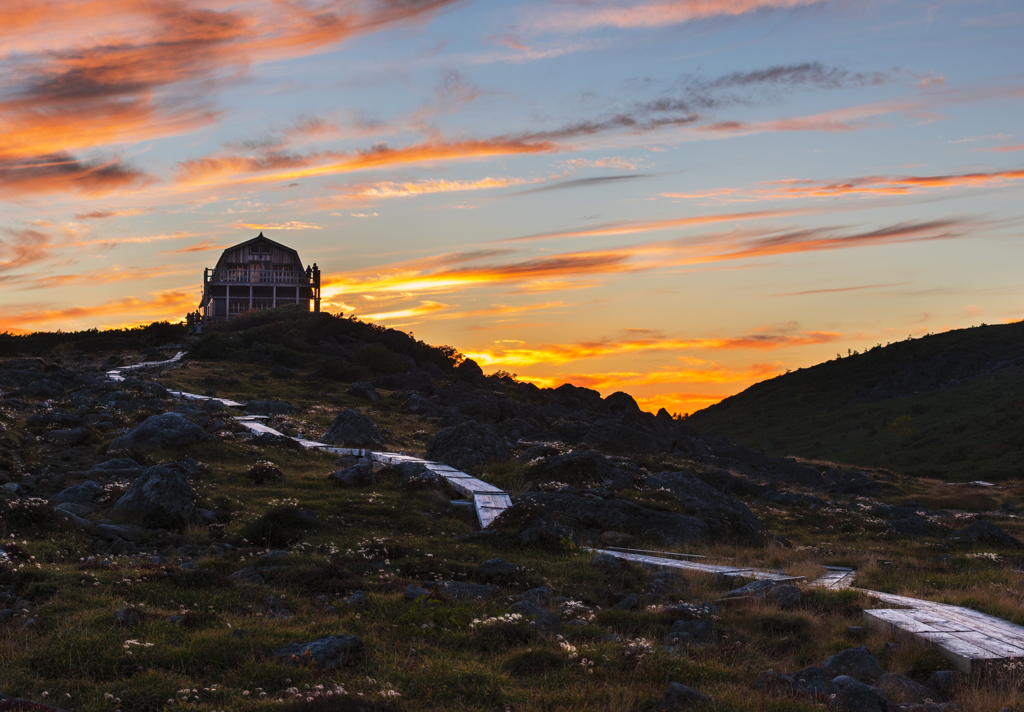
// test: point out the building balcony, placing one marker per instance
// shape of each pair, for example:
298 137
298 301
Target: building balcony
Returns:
256 276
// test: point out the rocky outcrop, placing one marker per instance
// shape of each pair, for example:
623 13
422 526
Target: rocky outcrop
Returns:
468 445
579 468
354 430
717 510
167 430
160 497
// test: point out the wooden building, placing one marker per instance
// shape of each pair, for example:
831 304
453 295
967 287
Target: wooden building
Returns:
257 274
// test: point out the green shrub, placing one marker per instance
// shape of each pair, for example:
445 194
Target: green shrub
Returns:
379 359
534 662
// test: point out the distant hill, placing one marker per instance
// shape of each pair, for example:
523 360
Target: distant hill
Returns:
945 405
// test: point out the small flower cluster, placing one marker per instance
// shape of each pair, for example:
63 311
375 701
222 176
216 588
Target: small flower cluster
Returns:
129 643
637 649
575 610
511 618
986 556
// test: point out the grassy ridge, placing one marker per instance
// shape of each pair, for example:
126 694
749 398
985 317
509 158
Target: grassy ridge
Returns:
967 432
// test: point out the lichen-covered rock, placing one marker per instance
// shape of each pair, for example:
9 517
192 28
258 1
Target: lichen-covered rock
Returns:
352 429
578 468
160 497
467 445
719 511
544 620
333 651
167 430
355 476
857 663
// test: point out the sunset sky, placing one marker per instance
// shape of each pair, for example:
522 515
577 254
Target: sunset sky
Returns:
675 198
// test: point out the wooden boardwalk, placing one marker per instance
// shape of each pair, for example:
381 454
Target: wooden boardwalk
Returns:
727 573
117 375
964 636
488 500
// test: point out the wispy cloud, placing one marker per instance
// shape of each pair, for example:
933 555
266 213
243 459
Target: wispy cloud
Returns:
865 185
290 225
163 305
585 15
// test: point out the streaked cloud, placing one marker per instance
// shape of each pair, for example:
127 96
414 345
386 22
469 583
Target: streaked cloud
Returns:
133 310
578 15
290 225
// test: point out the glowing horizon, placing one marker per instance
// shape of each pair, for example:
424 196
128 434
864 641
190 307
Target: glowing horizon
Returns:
678 198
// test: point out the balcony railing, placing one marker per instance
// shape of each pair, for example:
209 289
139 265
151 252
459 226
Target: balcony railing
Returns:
256 276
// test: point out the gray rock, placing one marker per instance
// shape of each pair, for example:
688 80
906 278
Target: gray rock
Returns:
168 430
578 468
498 571
984 532
462 590
785 596
121 467
240 634
855 696
540 596
207 516
67 438
355 476
127 532
544 620
70 518
757 589
78 494
680 697
413 592
545 531
606 563
269 407
358 598
699 632
160 497
364 389
857 663
581 512
814 684
247 575
468 445
276 609
719 511
942 680
333 651
351 429
275 555
904 690
628 603
279 371
128 617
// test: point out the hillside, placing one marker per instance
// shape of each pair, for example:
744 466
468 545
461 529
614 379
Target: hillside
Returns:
946 405
155 554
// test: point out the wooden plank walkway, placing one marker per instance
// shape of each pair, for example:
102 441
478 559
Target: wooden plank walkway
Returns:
488 500
727 573
964 636
117 375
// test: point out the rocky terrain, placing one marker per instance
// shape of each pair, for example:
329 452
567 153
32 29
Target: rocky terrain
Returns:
157 555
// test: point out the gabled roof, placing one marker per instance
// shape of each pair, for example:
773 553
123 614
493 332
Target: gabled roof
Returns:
261 238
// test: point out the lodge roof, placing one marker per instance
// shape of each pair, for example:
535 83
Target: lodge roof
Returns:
263 239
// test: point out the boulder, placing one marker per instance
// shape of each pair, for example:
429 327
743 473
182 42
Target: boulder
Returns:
167 430
332 651
355 476
418 405
814 684
269 407
719 511
544 620
627 439
984 532
358 599
127 532
578 468
160 497
247 575
128 617
545 531
855 696
627 603
620 402
413 592
468 445
607 563
119 467
364 389
498 571
279 371
540 596
785 597
904 690
470 371
680 697
354 430
78 494
580 512
49 419
857 663
71 518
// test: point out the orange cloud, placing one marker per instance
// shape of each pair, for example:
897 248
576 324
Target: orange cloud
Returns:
291 225
518 356
114 213
204 246
1005 149
164 305
393 189
234 169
